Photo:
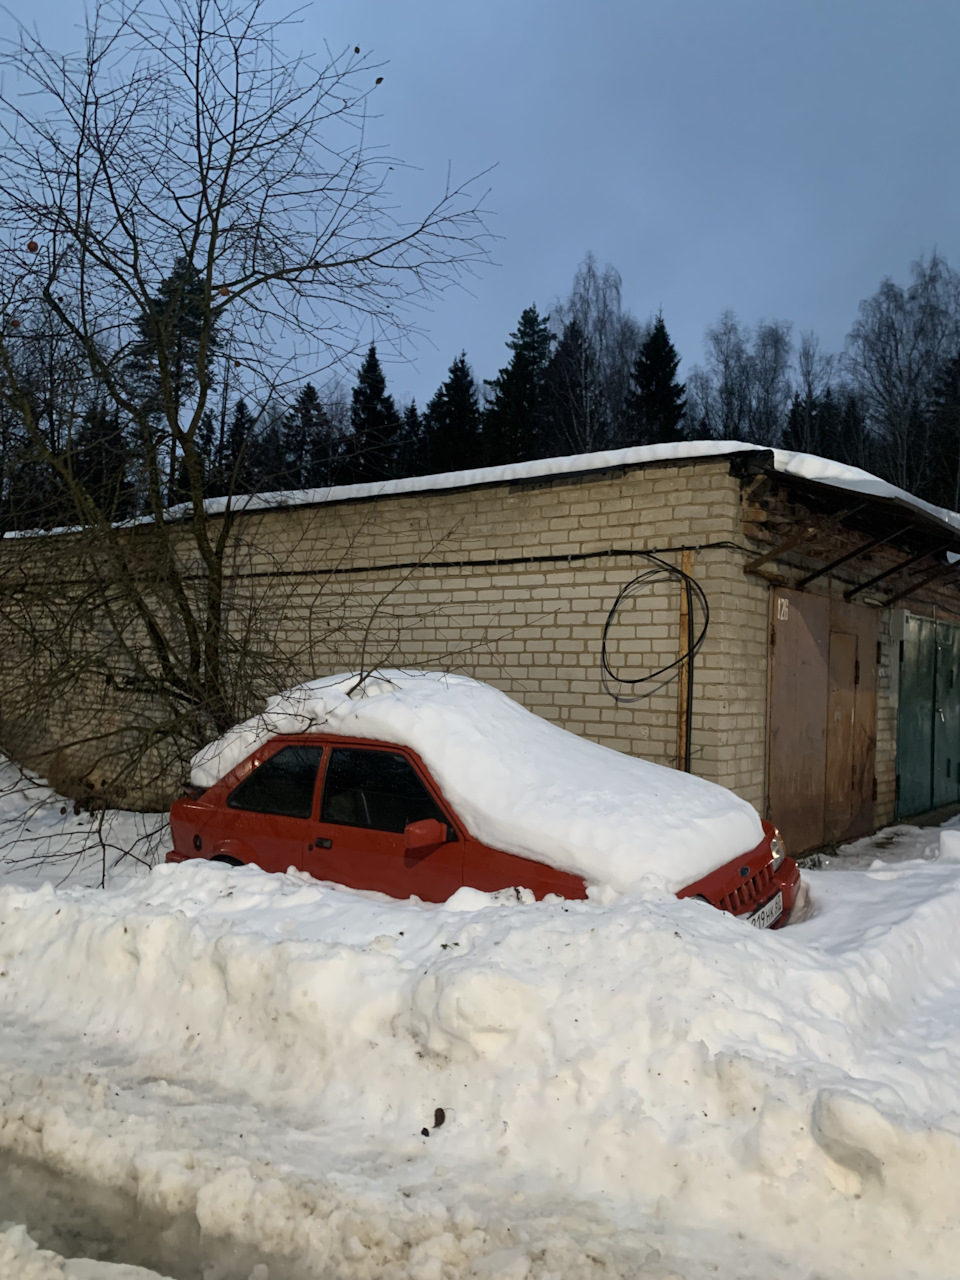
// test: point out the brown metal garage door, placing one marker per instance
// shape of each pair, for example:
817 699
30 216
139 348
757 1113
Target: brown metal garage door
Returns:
822 713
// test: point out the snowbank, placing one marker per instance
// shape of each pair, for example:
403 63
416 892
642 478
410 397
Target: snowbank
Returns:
46 837
498 1090
520 783
22 1259
399 1087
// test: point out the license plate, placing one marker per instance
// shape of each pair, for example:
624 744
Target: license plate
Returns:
768 914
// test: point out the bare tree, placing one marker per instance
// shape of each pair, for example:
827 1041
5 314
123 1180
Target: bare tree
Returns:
183 202
597 348
815 370
744 391
896 355
770 381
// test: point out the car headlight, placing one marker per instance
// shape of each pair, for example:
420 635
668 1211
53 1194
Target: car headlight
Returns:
777 849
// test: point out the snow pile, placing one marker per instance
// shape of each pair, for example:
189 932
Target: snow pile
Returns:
44 836
519 783
21 1259
395 1088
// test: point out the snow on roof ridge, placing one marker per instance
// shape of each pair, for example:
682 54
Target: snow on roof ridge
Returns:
805 466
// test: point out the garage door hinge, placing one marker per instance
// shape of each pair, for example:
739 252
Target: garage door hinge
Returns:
856 671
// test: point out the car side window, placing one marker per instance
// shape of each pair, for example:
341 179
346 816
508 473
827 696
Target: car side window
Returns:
379 790
283 784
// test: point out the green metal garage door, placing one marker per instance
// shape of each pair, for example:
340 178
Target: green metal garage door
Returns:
928 727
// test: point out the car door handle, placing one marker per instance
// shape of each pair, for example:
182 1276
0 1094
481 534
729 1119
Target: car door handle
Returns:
322 842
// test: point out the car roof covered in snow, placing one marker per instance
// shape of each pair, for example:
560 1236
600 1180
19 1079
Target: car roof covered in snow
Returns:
518 782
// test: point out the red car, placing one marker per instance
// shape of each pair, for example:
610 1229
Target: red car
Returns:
369 814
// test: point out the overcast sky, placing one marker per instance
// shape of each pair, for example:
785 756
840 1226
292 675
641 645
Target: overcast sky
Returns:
778 157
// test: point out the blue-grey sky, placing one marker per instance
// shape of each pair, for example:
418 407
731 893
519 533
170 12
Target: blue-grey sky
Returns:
778 157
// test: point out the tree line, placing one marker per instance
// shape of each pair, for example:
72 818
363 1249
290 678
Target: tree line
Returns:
586 376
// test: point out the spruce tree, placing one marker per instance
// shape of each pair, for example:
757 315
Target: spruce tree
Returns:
101 461
513 424
163 368
451 423
266 465
410 449
376 425
655 403
308 444
236 465
211 439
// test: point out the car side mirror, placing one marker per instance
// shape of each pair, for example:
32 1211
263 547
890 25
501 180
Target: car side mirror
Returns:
425 836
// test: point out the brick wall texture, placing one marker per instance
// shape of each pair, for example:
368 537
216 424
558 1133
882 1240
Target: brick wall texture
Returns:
532 623
513 583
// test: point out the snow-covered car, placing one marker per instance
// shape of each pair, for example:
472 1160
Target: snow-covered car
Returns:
418 783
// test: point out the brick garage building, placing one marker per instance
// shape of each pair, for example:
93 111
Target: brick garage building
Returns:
828 594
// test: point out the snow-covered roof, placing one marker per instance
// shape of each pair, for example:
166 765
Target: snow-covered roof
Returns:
519 783
804 466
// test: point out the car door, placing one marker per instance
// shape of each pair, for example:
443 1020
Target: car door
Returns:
370 794
268 817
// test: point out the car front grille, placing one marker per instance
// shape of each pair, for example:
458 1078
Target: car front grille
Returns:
750 892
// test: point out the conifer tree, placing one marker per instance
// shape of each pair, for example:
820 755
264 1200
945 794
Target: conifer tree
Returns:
308 444
101 460
236 466
266 466
163 363
410 451
513 425
376 425
655 403
451 423
211 439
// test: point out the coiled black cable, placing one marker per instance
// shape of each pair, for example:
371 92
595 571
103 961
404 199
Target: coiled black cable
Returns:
623 689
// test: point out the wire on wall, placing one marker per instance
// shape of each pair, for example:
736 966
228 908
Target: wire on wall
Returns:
629 689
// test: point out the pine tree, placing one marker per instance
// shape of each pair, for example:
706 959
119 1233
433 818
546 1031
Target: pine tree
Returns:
101 460
308 443
408 460
654 406
513 425
451 423
211 439
237 472
266 468
164 363
376 425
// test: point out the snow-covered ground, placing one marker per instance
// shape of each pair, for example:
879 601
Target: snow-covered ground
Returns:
490 1088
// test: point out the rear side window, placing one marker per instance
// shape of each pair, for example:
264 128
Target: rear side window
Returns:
283 784
378 790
